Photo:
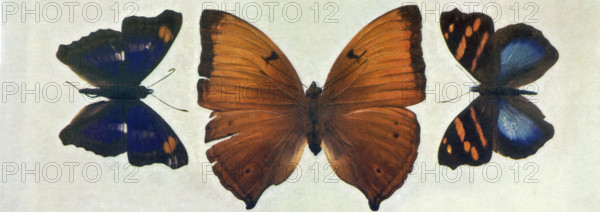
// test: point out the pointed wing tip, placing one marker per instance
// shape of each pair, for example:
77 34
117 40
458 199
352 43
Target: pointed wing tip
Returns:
211 17
61 54
410 12
170 13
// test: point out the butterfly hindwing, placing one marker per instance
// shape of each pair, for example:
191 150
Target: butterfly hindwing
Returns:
99 128
469 138
381 66
261 148
521 128
150 139
373 149
467 37
521 55
147 41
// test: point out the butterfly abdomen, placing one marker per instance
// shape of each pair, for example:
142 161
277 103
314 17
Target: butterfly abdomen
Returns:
313 129
118 92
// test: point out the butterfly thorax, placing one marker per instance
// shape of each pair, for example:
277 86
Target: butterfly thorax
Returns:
500 91
118 92
313 131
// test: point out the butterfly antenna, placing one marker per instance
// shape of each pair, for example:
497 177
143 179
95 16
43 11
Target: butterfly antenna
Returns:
303 85
72 85
468 75
171 71
458 97
182 110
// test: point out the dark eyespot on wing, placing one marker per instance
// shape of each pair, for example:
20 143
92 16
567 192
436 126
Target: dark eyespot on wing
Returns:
273 56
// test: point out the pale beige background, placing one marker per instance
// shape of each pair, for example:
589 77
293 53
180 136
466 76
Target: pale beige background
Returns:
567 170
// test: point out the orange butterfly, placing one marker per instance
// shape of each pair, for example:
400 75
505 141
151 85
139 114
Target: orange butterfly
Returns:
358 117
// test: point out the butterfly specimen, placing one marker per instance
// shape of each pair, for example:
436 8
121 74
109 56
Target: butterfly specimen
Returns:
500 119
116 63
265 118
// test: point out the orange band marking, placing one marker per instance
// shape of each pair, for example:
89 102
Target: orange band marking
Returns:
478 127
479 50
476 24
460 130
461 48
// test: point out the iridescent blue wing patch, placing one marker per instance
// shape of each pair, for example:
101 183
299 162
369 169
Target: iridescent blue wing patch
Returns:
521 129
151 140
521 55
99 128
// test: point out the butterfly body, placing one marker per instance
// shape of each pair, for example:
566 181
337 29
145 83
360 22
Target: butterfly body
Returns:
115 63
118 92
500 91
500 120
264 118
313 111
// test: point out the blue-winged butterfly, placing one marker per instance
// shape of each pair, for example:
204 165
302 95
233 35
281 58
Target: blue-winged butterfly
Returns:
116 63
500 119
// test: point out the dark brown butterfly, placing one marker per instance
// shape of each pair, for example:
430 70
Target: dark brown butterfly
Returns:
358 118
500 119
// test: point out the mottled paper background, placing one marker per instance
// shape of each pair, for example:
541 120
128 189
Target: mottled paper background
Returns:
561 176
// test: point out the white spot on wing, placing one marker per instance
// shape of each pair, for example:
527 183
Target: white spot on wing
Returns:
123 127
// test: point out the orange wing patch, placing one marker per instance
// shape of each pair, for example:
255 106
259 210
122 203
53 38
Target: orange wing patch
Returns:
165 33
476 24
461 48
169 145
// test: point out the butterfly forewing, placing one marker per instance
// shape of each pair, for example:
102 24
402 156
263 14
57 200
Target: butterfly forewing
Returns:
108 58
520 54
467 37
147 41
381 66
244 69
95 58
